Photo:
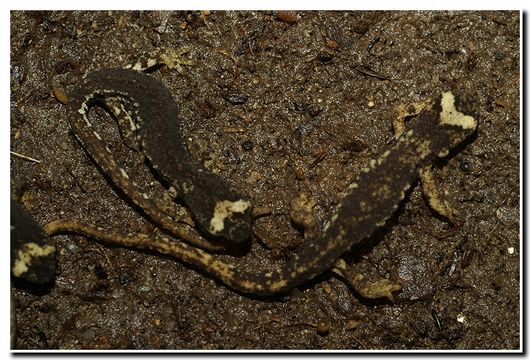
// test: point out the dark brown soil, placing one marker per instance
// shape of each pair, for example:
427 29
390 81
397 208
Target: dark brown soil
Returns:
321 90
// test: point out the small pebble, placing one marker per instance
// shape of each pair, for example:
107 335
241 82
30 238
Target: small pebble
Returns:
314 110
499 55
73 248
464 166
247 145
325 57
461 318
322 327
288 17
60 95
352 324
236 99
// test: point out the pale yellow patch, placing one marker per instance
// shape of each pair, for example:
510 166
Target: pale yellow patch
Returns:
225 209
451 116
353 185
26 256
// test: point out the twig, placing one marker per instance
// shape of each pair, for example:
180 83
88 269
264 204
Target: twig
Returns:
25 157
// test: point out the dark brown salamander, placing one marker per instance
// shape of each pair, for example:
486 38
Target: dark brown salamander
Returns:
32 251
369 201
149 117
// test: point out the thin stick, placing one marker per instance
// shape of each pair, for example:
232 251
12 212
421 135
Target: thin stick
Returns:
25 157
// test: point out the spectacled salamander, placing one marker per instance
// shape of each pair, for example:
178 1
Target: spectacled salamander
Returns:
368 202
150 115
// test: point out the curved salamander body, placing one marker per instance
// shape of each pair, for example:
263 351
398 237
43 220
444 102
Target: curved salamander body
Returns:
369 201
152 116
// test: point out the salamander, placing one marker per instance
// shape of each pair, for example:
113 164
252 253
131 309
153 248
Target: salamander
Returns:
32 251
148 116
368 202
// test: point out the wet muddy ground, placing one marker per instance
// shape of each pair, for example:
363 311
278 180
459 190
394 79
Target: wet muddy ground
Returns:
279 104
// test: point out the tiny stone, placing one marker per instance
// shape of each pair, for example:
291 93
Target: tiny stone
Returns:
247 145
461 318
299 106
314 110
322 327
351 324
325 57
499 56
236 99
289 17
60 95
73 248
464 166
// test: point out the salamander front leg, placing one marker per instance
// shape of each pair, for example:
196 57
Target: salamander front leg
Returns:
429 186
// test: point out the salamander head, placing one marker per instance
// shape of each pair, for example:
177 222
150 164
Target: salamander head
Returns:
231 220
457 123
445 124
